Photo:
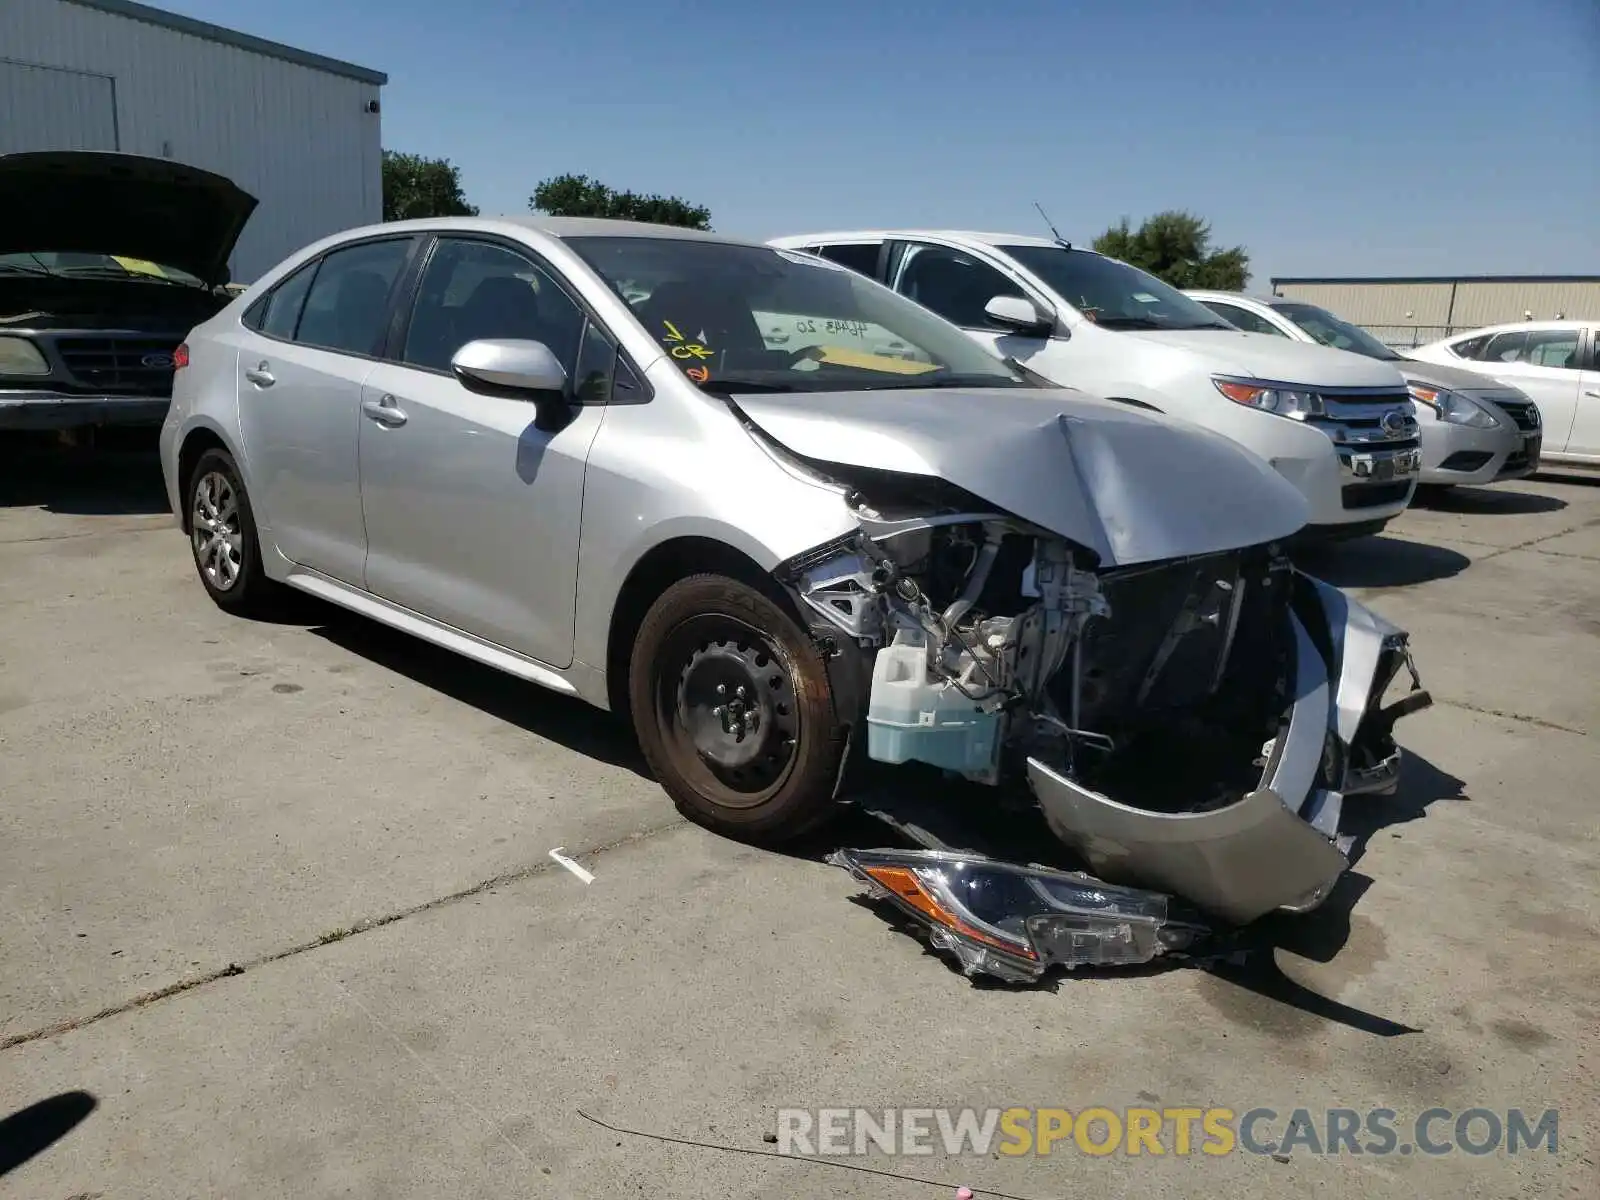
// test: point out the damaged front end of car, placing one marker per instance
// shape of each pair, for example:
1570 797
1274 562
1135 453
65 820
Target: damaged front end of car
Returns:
1189 728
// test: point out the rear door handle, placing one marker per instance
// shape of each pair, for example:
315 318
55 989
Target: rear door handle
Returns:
260 376
1596 395
384 410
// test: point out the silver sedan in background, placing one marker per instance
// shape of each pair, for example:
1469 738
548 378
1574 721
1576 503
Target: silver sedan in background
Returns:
1475 429
787 521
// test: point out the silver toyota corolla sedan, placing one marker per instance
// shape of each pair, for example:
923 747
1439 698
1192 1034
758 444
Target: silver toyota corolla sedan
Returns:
791 524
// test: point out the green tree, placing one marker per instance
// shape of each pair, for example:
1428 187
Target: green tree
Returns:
1176 247
414 186
580 196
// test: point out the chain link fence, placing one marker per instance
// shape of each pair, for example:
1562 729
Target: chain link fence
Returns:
1402 337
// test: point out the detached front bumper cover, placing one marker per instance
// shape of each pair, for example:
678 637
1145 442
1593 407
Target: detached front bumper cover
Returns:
1016 922
1279 848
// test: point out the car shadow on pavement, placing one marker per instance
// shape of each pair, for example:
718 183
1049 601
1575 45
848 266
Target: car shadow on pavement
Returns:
1487 501
564 719
30 1131
1377 562
118 476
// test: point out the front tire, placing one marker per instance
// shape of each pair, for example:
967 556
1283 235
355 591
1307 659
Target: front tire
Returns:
734 711
223 540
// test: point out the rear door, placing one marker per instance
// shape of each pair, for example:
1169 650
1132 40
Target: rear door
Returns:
302 362
471 511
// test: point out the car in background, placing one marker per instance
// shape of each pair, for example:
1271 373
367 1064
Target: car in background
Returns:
1475 429
577 451
106 261
1339 427
1555 362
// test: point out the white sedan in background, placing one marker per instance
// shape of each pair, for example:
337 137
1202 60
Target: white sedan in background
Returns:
1475 429
1555 362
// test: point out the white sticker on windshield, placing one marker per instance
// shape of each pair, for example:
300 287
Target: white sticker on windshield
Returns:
1146 298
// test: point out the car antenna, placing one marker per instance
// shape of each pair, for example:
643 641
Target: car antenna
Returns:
1060 241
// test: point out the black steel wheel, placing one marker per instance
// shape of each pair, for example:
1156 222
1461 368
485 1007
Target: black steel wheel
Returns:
734 710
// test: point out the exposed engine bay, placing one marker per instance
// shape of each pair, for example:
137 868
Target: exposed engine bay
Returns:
1189 729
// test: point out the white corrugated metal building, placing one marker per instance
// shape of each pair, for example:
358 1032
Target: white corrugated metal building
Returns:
298 131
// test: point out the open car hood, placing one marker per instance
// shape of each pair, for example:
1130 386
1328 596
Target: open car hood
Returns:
123 204
1129 485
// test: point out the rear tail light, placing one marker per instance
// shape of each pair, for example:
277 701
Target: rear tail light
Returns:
180 357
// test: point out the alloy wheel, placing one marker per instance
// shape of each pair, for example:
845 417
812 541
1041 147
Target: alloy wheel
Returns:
216 530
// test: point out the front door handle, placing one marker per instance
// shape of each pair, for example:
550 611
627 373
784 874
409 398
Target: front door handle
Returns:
260 375
1596 395
384 410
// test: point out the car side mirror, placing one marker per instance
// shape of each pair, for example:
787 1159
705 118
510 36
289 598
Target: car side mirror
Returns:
517 370
1019 315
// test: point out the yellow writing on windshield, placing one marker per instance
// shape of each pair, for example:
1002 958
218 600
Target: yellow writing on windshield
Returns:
682 347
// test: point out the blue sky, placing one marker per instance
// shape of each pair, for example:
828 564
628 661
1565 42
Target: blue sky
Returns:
1394 137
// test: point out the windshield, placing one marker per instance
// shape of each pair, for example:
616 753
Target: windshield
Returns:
70 264
1328 329
1111 293
753 318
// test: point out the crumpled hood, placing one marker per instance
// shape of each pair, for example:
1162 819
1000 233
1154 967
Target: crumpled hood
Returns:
1130 485
1276 359
124 204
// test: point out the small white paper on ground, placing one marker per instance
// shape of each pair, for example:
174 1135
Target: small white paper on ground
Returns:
571 866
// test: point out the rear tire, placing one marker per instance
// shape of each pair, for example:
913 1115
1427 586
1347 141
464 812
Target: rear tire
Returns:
734 711
223 539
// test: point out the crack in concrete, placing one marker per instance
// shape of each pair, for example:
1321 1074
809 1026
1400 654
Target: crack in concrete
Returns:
1510 716
164 524
365 925
1531 542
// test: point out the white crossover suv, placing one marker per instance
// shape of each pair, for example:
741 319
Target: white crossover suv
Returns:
1338 426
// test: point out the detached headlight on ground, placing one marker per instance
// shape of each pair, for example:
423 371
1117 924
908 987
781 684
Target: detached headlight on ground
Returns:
1283 401
18 356
1453 406
1015 922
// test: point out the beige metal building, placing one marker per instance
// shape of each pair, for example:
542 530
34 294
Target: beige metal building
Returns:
1410 311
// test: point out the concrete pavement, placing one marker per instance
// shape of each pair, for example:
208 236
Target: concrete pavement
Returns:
278 898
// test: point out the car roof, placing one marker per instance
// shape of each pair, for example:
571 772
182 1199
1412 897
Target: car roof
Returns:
971 235
558 227
1213 294
1513 326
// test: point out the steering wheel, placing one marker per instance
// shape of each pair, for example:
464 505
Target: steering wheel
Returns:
796 357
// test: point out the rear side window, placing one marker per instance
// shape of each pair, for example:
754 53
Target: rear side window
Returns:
283 304
858 256
347 306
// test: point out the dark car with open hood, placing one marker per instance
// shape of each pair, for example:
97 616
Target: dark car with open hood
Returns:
106 262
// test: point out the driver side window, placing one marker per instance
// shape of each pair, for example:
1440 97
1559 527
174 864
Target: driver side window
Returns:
955 285
472 290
